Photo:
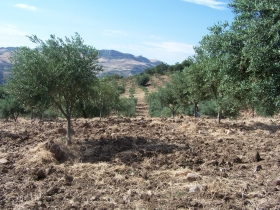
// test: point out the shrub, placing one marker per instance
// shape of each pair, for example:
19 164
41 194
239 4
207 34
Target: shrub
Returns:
120 89
127 107
208 108
155 106
142 79
10 108
131 92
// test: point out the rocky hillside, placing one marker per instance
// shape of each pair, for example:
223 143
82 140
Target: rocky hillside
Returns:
124 64
113 62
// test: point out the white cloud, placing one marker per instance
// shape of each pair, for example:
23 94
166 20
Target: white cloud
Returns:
11 36
11 30
171 47
113 33
25 6
155 37
209 3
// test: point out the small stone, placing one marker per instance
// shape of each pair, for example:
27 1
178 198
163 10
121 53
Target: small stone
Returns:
229 132
258 168
220 140
3 161
195 189
237 160
202 132
193 177
144 174
52 191
69 178
277 182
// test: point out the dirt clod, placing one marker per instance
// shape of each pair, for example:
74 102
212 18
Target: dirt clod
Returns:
257 157
39 174
55 149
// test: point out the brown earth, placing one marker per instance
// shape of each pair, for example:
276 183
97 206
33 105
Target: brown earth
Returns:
141 163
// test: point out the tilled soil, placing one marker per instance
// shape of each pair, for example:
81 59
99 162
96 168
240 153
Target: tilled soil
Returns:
141 163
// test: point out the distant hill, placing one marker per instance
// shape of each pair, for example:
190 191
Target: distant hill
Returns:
124 64
113 62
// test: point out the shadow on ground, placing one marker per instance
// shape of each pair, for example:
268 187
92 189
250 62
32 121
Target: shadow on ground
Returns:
127 149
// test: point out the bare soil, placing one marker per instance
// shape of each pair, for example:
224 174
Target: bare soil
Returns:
141 163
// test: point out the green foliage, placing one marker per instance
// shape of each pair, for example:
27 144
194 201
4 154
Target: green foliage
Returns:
49 114
131 91
155 106
169 97
113 77
165 112
208 108
10 108
1 77
106 97
120 89
142 79
58 72
158 69
127 107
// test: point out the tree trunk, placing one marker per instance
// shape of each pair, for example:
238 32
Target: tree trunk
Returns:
84 114
196 110
100 111
68 137
219 117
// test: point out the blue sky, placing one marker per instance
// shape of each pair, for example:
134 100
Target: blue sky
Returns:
165 30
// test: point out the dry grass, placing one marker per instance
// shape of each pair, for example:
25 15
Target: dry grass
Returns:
37 156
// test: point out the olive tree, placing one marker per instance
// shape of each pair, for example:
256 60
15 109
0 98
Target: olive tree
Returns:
59 71
106 96
257 24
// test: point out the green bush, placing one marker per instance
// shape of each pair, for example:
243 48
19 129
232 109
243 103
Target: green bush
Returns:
155 107
127 107
131 92
165 112
187 110
267 109
208 108
10 108
142 79
228 108
120 89
50 114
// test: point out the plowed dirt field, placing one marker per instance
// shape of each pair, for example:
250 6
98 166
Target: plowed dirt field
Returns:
141 163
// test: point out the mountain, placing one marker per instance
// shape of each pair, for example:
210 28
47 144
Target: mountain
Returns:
124 64
113 62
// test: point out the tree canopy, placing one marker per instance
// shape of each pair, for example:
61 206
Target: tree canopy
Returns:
58 72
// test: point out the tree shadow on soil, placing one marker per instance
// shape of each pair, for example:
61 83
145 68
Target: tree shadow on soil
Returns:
262 126
272 128
127 149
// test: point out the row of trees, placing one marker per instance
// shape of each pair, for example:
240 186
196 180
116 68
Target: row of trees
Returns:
164 68
236 65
